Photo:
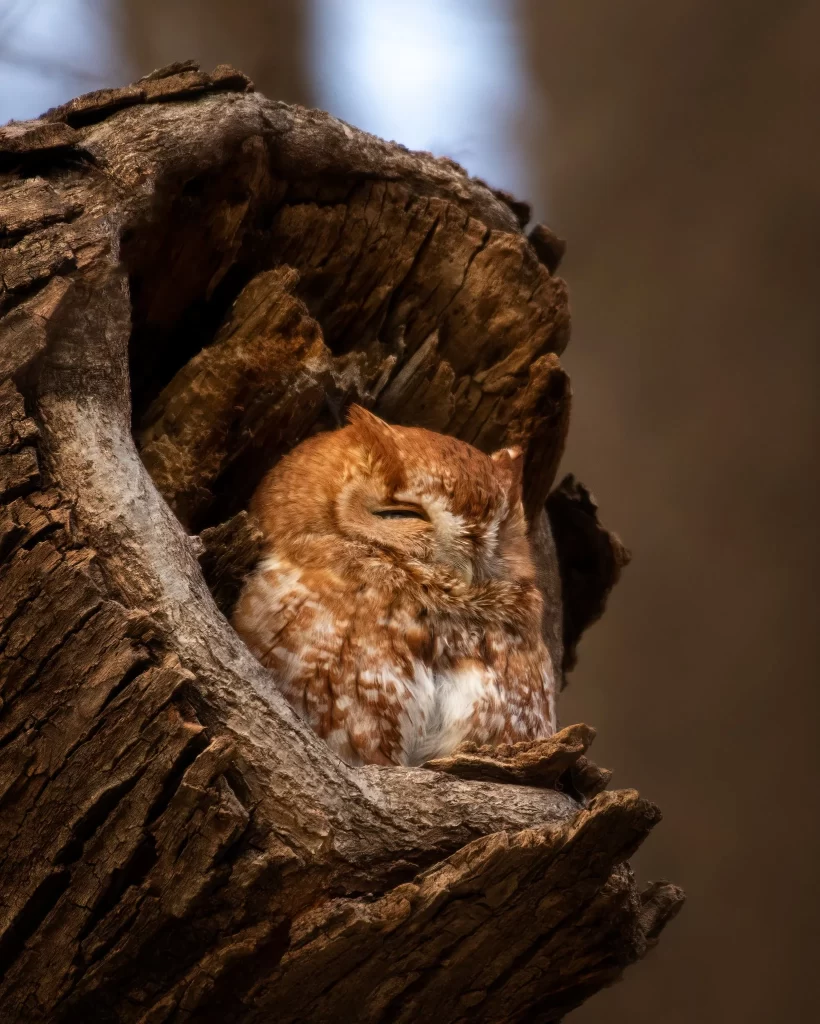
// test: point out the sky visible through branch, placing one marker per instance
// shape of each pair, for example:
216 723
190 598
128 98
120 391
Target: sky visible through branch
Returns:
440 75
51 50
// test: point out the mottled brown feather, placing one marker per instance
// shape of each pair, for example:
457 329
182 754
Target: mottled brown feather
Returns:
396 603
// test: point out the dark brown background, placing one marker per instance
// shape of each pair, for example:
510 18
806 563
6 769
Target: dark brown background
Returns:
676 146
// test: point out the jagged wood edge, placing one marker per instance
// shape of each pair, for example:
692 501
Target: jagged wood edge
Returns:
590 561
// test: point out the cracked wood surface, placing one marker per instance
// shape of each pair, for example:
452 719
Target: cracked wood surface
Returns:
222 273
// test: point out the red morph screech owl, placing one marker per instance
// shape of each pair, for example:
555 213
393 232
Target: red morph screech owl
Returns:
395 602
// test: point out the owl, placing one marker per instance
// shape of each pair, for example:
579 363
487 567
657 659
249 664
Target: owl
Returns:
395 602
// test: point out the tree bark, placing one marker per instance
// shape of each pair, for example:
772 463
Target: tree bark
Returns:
193 278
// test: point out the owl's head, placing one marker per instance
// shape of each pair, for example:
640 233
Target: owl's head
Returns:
404 490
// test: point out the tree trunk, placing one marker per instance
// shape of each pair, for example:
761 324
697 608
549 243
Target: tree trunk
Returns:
193 278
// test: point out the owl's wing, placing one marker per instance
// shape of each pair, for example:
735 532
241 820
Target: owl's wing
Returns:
376 688
516 697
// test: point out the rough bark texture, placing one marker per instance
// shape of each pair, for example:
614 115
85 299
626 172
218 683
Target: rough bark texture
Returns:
216 275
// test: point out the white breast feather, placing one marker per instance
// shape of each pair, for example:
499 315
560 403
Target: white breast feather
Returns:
441 716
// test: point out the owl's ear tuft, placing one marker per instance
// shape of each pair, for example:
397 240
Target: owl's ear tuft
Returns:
358 416
509 468
379 439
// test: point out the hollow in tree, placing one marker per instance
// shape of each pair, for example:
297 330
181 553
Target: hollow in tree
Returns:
192 279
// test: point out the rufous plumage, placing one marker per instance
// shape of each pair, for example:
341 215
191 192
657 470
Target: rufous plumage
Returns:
395 603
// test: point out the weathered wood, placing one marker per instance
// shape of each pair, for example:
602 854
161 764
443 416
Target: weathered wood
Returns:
27 137
230 552
590 560
549 247
536 763
222 273
239 403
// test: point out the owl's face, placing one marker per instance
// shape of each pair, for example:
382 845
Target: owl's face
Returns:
405 491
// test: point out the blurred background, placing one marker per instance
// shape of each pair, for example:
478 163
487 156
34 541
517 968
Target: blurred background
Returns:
676 146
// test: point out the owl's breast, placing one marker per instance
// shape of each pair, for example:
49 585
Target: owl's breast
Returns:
456 703
481 685
383 681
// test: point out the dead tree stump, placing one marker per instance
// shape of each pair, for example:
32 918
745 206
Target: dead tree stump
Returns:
192 279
